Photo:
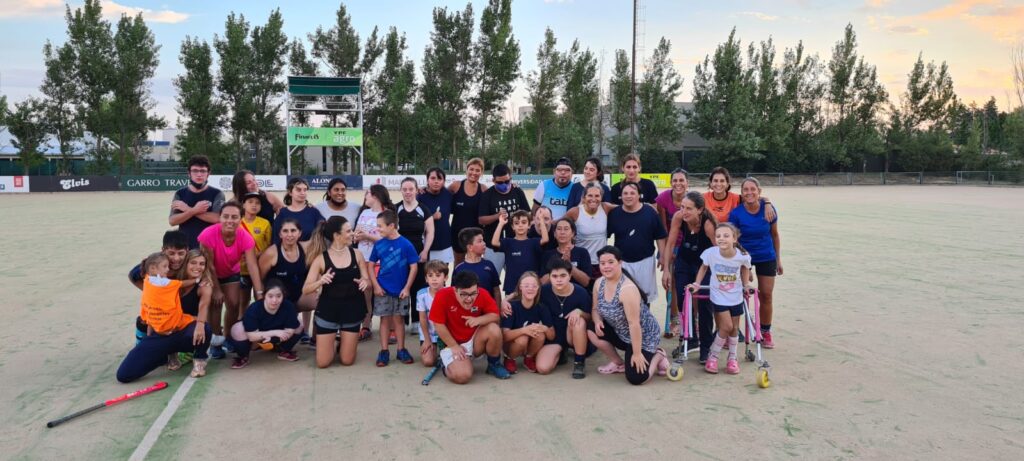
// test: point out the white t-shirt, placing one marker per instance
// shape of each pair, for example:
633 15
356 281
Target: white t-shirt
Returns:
423 301
350 213
367 222
726 284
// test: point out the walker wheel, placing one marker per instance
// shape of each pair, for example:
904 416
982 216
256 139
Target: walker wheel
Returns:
750 355
762 378
675 373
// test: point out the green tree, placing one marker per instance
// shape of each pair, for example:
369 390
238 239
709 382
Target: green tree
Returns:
235 59
269 47
135 62
497 54
1013 143
92 42
61 99
619 93
397 83
658 124
203 114
855 99
447 77
299 63
927 110
580 99
27 125
802 89
542 86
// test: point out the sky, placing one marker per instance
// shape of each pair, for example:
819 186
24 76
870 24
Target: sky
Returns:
974 37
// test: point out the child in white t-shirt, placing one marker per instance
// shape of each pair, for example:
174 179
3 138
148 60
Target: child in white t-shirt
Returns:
436 274
729 264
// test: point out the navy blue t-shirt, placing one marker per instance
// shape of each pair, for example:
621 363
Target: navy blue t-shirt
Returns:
395 257
308 218
579 256
635 232
442 227
552 244
484 270
258 319
648 192
520 256
521 316
194 225
578 191
561 307
755 233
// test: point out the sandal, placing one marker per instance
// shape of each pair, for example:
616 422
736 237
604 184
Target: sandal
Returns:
611 368
198 368
173 364
364 334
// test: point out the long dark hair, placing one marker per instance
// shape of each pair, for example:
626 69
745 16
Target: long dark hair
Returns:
335 180
238 184
291 185
597 164
379 192
617 253
724 172
698 201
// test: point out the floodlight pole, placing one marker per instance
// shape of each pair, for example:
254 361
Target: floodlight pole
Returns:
632 87
361 142
287 124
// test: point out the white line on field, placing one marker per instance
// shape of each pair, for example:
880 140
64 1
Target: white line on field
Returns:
158 426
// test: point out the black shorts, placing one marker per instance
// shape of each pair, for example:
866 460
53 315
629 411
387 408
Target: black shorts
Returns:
246 282
321 327
766 268
735 311
233 278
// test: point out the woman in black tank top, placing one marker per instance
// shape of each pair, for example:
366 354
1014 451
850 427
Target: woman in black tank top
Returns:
340 275
466 207
286 262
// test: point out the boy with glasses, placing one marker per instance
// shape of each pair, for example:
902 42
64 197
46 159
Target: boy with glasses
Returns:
196 206
466 318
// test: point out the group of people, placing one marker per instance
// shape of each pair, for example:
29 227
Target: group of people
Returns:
532 281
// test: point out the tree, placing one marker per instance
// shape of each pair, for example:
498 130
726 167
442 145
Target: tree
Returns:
61 98
497 54
27 125
619 90
397 83
203 113
542 86
1017 69
447 76
658 124
926 112
235 58
802 89
300 64
92 43
269 47
855 98
580 99
135 62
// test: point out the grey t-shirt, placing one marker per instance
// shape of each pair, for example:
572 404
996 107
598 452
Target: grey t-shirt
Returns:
351 211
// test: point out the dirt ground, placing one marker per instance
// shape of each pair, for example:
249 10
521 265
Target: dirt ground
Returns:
897 337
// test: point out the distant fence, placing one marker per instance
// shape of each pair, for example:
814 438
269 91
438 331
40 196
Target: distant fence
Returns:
155 182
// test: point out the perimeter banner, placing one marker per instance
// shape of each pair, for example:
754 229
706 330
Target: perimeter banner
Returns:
74 184
152 183
266 182
13 184
352 182
328 137
662 180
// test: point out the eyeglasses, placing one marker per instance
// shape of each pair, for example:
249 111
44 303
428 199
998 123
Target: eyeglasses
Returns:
469 295
198 171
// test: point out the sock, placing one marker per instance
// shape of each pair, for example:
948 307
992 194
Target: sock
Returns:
733 346
580 358
766 327
716 347
493 360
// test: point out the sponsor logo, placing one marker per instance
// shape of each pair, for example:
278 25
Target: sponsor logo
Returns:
19 182
68 184
225 183
306 137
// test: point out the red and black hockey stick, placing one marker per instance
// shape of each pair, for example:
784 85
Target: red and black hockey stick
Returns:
131 395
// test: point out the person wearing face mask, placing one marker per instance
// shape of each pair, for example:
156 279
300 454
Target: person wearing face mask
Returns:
554 193
196 206
336 203
502 198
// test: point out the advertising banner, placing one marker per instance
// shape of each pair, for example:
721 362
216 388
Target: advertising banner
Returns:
152 183
353 182
392 182
328 137
74 184
266 182
13 184
662 180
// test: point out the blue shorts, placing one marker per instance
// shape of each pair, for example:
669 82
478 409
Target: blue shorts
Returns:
735 311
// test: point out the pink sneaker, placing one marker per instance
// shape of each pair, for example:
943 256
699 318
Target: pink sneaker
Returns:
711 366
733 367
768 343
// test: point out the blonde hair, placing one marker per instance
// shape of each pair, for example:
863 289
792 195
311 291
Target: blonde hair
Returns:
476 161
193 254
519 291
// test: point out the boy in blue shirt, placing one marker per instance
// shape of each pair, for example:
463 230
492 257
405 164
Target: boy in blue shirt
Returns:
391 284
522 254
472 239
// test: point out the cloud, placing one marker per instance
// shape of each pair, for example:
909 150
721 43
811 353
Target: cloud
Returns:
760 16
1003 21
875 4
23 8
162 16
907 30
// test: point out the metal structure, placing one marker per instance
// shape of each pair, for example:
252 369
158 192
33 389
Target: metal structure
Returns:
328 97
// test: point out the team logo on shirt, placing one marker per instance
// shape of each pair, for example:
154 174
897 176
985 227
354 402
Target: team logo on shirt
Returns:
631 232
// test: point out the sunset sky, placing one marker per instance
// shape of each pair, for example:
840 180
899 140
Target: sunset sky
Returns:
974 36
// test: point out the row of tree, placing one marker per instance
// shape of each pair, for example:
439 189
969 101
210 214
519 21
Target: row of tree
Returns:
757 111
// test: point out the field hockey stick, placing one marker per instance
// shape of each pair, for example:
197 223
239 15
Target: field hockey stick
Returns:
431 373
131 395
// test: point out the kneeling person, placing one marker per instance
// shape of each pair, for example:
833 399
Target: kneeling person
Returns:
466 319
529 328
272 323
570 306
436 275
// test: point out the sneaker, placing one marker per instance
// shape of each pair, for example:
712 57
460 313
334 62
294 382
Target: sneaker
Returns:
741 338
383 357
287 356
498 371
312 342
229 347
732 367
404 356
693 343
392 339
768 343
304 338
217 352
530 363
579 370
239 363
703 358
510 365
711 366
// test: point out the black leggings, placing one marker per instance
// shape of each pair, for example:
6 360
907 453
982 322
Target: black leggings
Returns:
634 377
152 351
